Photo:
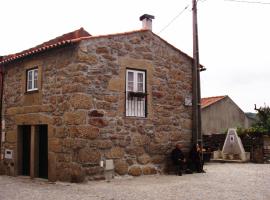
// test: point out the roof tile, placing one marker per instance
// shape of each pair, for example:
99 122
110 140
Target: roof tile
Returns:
58 41
205 102
72 37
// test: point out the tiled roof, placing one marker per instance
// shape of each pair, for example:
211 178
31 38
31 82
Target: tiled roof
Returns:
67 38
74 37
210 100
116 34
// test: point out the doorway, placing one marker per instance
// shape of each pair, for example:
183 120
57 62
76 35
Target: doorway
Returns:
25 149
43 151
33 151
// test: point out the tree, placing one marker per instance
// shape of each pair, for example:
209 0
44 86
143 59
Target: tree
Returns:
263 123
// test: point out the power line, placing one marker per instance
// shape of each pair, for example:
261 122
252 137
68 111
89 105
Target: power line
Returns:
252 2
178 15
237 1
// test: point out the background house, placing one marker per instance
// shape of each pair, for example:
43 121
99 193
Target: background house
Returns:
220 113
79 99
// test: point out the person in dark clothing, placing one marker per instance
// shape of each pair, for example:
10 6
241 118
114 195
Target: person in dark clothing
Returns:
195 158
178 159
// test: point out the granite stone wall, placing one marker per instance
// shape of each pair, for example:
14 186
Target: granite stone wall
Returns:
81 98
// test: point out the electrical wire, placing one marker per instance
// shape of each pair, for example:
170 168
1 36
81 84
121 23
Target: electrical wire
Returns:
237 1
252 2
178 15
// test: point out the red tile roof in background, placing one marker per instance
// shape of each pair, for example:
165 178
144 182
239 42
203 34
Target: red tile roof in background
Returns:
67 38
210 100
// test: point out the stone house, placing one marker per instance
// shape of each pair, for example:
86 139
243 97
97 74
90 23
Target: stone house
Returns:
78 99
220 113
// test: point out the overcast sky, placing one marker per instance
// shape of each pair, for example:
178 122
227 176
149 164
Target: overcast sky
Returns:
234 37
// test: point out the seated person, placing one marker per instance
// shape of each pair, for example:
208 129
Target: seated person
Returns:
178 159
195 157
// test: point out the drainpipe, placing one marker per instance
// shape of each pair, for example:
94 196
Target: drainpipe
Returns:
1 103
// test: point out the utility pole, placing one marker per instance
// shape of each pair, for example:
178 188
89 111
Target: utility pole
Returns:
196 86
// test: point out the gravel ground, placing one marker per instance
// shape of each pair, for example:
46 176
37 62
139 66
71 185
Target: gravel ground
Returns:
221 181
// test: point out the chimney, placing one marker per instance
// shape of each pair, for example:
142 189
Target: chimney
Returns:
147 21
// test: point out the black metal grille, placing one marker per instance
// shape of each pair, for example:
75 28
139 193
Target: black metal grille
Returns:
136 104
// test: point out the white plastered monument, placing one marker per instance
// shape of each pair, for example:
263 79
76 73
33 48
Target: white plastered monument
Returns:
233 148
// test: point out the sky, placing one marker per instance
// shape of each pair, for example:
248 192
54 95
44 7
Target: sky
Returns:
234 37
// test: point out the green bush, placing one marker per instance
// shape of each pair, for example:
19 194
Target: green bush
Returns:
263 123
262 126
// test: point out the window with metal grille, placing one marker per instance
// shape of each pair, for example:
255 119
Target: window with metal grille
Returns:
135 93
32 80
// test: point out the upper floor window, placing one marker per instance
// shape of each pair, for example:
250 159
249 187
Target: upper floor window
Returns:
32 80
135 93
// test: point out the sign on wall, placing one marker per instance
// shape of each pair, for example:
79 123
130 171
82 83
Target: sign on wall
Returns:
8 154
188 101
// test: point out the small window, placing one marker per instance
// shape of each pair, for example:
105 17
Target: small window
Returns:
135 93
32 80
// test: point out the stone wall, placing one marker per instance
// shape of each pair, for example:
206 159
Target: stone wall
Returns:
82 99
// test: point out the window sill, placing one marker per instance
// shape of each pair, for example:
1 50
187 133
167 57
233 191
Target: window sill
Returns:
135 117
137 94
31 92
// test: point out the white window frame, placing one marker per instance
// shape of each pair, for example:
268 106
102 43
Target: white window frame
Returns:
137 109
30 86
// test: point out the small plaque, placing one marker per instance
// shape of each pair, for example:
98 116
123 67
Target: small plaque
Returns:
8 154
231 138
109 165
188 101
